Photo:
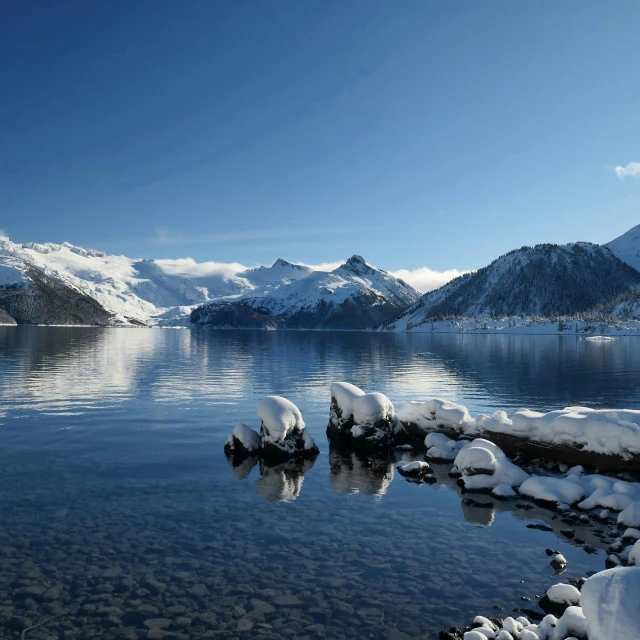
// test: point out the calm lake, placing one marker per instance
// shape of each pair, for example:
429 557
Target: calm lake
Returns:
120 515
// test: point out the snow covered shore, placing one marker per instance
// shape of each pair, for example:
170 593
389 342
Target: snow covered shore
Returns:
518 325
608 606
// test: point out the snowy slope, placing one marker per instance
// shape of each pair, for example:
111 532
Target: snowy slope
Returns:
353 296
140 291
627 247
545 280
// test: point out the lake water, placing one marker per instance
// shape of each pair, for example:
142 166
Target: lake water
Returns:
117 505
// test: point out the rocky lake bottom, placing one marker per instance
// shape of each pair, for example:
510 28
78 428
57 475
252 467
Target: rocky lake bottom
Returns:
121 518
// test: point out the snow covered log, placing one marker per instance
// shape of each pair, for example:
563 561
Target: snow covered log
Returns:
602 438
421 418
282 434
362 421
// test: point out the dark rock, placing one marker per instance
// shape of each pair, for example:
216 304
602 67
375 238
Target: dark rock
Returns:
540 527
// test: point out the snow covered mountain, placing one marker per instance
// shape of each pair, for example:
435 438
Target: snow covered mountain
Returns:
627 247
545 280
353 296
128 291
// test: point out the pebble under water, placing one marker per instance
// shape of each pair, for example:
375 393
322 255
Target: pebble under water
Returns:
121 518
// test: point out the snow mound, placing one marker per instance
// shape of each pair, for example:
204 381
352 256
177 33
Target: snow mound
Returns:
610 601
279 416
634 554
558 490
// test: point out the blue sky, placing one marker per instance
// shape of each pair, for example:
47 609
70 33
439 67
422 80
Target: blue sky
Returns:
413 133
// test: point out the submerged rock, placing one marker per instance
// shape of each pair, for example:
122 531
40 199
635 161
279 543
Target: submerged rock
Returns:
416 470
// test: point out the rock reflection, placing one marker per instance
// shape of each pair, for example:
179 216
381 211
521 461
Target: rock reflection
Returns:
279 483
351 473
242 467
479 511
283 482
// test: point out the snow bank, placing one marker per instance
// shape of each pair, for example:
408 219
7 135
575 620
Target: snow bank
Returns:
634 555
611 604
558 490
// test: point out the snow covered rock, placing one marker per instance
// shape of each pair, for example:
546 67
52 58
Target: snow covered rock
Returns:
243 442
630 517
282 432
611 604
572 623
504 492
552 490
442 449
418 470
282 435
484 467
360 420
563 594
634 555
558 563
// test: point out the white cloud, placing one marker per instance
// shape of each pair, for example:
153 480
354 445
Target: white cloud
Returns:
630 170
189 268
323 266
424 279
3 234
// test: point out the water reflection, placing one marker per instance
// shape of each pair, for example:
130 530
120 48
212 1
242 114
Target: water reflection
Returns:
283 483
279 483
350 473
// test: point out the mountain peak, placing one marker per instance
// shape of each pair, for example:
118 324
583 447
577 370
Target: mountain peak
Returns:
356 260
281 262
